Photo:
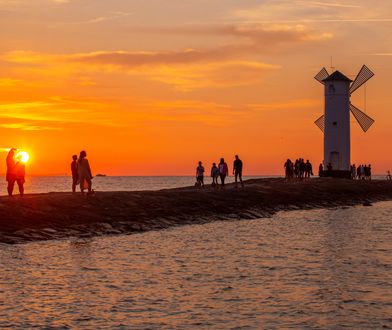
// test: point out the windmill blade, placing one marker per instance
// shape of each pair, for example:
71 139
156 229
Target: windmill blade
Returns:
363 76
323 74
321 123
362 118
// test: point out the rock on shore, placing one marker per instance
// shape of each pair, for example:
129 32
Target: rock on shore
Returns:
61 215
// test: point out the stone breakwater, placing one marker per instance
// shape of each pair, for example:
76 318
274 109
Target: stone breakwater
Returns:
63 215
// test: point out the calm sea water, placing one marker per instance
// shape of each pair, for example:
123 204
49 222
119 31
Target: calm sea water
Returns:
45 184
320 269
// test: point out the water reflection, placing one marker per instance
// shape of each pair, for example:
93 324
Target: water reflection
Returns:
305 269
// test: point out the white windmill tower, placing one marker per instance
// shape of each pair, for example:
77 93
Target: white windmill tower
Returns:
335 123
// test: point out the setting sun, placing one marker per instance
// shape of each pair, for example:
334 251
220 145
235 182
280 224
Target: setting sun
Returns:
23 156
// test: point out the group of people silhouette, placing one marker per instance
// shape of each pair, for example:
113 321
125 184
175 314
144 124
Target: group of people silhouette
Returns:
220 171
299 169
15 172
362 172
81 173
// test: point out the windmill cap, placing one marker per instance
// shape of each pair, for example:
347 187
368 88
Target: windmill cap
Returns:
337 76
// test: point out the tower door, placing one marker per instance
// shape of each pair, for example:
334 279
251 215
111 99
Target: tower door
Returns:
335 160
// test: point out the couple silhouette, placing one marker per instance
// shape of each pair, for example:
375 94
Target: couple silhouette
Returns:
15 172
81 173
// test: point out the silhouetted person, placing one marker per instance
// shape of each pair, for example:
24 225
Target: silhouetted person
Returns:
296 168
11 171
223 171
353 170
308 169
359 172
84 173
329 169
321 170
214 174
302 168
369 172
74 171
237 171
362 172
289 169
200 175
389 176
20 175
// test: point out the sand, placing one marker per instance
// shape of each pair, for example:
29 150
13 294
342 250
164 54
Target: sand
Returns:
63 215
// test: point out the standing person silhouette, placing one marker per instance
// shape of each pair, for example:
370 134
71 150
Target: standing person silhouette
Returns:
74 171
353 169
308 169
11 171
20 171
223 171
214 174
237 171
321 170
200 175
288 166
84 173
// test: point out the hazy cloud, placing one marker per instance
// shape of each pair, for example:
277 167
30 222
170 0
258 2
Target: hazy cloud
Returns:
260 33
327 4
112 16
306 12
26 126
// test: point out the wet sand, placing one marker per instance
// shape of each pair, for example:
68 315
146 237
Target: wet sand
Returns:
63 215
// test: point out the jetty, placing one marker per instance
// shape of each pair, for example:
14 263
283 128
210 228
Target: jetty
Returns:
65 215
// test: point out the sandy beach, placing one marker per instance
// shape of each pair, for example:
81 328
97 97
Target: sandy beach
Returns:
62 215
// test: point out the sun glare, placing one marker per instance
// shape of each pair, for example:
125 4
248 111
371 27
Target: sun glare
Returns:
23 156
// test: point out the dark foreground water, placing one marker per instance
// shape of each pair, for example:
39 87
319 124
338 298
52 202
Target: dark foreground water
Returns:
305 269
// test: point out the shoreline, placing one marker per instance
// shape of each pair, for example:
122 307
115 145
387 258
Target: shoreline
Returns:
63 215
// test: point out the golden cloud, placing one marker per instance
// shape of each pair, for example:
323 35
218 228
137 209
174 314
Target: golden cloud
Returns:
55 112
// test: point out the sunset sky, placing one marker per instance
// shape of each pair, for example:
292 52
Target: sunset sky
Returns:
150 87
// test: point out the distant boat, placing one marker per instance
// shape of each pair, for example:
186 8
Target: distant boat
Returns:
99 174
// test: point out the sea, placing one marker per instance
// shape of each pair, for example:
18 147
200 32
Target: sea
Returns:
313 269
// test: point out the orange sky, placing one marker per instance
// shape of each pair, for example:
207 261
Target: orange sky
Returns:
151 87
